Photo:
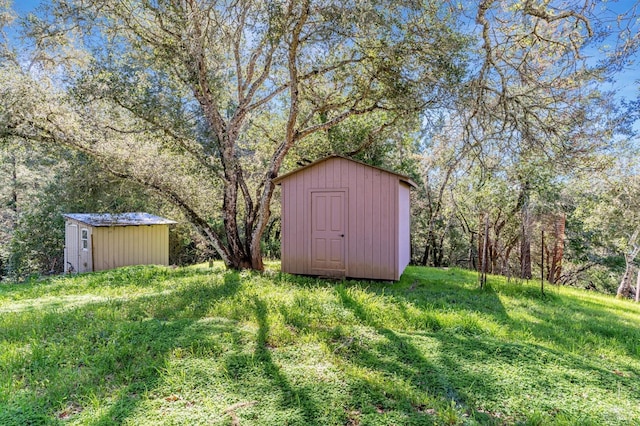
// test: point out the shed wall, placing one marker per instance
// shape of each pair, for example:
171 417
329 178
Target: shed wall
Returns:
404 227
130 245
371 243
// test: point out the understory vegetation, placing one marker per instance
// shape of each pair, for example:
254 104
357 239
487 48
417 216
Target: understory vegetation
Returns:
198 345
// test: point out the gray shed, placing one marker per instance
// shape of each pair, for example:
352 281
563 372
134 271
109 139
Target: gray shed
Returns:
344 218
95 242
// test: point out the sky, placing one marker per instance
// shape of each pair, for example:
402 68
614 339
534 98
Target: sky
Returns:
25 6
628 81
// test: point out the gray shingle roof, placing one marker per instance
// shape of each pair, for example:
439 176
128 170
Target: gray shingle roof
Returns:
118 219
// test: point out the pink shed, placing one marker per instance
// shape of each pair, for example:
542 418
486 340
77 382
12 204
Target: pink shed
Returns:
344 218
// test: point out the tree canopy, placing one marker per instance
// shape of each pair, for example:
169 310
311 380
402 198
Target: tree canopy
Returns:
205 102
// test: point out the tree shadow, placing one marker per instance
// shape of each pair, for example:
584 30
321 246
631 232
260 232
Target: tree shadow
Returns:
296 400
111 351
397 354
554 317
144 277
398 361
122 350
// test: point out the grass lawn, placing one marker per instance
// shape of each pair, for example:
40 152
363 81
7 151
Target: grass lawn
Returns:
153 345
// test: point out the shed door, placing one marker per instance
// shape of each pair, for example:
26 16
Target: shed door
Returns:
328 231
71 241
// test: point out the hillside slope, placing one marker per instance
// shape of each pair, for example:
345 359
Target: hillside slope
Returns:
152 345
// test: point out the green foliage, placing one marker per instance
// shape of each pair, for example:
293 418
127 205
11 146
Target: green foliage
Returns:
78 184
25 171
185 246
36 243
152 345
166 96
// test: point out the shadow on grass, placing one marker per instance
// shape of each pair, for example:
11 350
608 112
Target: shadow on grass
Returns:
292 397
398 361
255 375
138 277
106 354
119 353
567 322
579 326
565 328
471 370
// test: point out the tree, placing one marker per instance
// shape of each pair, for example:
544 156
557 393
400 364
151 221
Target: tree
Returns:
441 160
205 102
531 110
24 171
182 96
49 183
536 99
609 214
633 248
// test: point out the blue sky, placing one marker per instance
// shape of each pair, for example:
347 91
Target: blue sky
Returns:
22 6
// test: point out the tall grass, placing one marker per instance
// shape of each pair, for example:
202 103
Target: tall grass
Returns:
152 345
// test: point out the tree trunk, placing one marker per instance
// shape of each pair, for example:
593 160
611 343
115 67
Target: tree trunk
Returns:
256 256
13 203
496 252
624 289
625 284
559 254
480 247
525 246
558 250
505 261
425 256
471 259
433 250
638 287
542 264
485 249
439 257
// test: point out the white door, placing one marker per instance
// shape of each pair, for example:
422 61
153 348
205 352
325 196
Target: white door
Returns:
84 251
71 240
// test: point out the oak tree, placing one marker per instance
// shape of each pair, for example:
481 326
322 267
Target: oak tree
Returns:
202 101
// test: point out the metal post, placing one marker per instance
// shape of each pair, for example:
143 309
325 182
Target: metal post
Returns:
542 265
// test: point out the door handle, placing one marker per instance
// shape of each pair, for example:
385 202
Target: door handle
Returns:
342 235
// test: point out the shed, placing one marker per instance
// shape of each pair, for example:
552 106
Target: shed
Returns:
95 242
344 218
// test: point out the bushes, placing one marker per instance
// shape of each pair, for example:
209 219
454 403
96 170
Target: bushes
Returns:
77 184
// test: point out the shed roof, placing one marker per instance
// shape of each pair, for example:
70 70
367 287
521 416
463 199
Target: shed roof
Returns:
119 219
404 178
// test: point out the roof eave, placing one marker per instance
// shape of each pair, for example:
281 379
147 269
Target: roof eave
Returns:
100 224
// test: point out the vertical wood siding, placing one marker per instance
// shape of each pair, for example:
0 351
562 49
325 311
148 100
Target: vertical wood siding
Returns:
130 245
404 227
372 243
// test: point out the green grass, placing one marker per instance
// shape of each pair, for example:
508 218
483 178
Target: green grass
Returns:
152 345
